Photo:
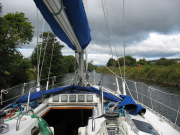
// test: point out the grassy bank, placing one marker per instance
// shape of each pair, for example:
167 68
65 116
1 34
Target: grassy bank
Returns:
169 74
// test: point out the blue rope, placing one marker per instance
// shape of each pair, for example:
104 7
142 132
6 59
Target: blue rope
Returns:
171 105
16 106
110 104
121 111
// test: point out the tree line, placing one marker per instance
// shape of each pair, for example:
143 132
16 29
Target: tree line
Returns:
130 61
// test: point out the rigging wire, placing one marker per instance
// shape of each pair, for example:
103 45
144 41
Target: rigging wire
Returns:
124 34
37 51
113 39
44 52
109 69
107 28
51 60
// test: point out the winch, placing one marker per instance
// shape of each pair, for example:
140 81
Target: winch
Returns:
3 127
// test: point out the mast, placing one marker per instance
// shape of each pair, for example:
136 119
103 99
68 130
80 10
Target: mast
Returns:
81 57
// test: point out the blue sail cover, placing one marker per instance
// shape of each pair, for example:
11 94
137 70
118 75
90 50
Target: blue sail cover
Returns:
77 17
127 101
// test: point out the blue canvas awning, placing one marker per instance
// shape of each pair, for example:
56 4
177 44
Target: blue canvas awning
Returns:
76 14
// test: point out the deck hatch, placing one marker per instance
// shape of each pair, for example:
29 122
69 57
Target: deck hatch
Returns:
145 127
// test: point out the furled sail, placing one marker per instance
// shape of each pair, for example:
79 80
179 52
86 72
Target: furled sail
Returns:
69 24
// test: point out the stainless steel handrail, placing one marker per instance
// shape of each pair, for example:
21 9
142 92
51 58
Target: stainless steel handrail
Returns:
19 118
30 94
93 120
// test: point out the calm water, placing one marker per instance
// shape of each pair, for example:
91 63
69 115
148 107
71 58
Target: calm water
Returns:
150 91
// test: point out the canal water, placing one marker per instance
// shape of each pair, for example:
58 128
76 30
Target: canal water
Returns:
159 97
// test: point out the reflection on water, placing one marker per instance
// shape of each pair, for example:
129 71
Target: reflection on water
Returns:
153 95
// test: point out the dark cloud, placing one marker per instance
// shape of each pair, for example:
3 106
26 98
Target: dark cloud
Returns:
142 17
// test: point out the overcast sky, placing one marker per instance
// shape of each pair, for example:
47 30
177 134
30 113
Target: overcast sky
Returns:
152 28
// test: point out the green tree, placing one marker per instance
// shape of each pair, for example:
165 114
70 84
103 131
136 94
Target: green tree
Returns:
165 62
69 63
57 64
110 62
15 31
132 61
19 73
121 62
142 61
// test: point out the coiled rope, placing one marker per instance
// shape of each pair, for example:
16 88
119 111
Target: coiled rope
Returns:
43 126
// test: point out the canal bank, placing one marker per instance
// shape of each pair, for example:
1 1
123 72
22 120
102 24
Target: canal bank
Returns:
167 75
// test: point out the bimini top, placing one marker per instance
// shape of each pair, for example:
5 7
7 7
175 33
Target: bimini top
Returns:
77 17
127 101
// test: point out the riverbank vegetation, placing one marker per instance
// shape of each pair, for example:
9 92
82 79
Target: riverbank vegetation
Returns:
15 31
163 70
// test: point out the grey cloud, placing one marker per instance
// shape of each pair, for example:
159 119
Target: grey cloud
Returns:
142 17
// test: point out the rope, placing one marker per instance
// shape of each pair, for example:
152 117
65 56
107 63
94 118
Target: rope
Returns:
121 111
59 10
43 126
14 116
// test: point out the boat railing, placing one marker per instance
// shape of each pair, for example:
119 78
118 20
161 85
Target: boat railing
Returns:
159 101
13 93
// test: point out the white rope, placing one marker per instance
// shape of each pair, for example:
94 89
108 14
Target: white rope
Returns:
44 52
